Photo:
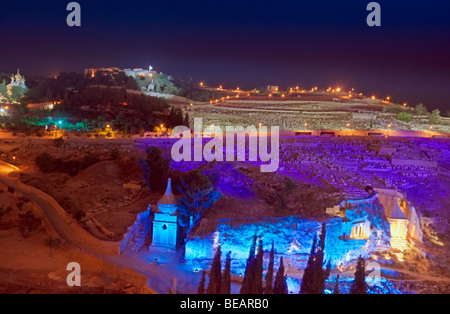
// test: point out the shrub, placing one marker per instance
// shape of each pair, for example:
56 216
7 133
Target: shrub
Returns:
114 154
420 110
45 162
404 116
58 142
28 224
435 116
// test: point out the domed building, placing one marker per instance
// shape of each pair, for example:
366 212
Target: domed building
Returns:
18 80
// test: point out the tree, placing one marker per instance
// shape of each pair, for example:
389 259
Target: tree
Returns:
28 224
155 169
420 110
215 274
336 286
404 116
4 211
359 286
198 194
58 142
226 277
259 259
280 286
313 281
53 243
435 116
201 285
45 162
250 270
186 120
114 154
308 274
132 84
269 274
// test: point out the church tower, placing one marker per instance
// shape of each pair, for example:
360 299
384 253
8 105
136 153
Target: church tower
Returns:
165 223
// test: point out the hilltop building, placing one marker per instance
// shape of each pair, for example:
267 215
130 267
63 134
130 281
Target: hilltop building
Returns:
11 92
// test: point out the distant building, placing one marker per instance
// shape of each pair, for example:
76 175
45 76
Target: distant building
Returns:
105 71
14 90
273 89
140 72
17 80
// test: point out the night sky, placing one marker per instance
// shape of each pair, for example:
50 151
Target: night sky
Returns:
243 43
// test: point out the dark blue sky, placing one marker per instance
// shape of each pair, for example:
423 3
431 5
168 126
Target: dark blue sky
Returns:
243 43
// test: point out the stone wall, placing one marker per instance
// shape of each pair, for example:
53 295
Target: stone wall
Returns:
292 238
136 235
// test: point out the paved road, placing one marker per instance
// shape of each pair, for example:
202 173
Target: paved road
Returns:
64 225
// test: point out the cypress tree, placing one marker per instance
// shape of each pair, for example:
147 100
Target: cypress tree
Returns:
280 286
201 285
249 275
308 274
186 120
359 286
172 115
178 117
258 285
269 274
226 278
215 274
314 277
336 286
